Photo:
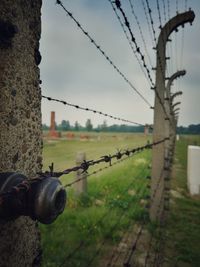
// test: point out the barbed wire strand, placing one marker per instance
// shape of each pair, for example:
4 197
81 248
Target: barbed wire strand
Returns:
134 245
129 41
103 52
151 20
97 171
91 230
133 39
25 185
127 263
140 31
159 59
91 110
164 11
148 23
111 231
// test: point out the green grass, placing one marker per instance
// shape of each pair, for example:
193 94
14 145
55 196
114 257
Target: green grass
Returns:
115 195
110 206
183 226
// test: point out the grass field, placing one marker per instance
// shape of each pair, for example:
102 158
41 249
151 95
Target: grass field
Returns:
111 205
183 225
115 200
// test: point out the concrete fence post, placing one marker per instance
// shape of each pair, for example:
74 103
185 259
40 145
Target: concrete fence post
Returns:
20 119
81 186
161 128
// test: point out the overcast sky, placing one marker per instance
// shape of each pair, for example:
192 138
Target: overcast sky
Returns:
72 69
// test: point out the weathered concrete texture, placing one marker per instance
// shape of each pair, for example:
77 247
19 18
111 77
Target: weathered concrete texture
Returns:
20 118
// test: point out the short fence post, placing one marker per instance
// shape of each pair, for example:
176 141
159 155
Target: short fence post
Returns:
81 186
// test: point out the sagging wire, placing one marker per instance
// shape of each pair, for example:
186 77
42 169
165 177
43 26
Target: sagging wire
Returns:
102 52
128 39
140 30
90 110
133 39
111 230
91 230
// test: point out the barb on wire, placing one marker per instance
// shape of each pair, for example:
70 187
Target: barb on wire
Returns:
102 52
112 230
107 158
113 260
128 39
134 246
168 8
138 49
140 30
148 23
164 10
158 55
24 186
91 230
151 20
90 110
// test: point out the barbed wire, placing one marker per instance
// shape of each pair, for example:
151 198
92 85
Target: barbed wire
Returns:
96 171
138 49
148 23
159 59
168 8
102 52
90 110
134 246
91 230
128 39
176 6
114 258
147 257
164 10
84 166
112 230
159 12
151 20
140 31
106 158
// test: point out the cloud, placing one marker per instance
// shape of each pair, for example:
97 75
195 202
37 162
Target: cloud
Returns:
74 70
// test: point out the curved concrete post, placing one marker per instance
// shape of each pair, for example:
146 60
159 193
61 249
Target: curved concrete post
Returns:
159 133
171 129
169 100
175 95
175 104
176 109
171 79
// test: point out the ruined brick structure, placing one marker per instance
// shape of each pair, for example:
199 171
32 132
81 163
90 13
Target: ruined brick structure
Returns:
53 133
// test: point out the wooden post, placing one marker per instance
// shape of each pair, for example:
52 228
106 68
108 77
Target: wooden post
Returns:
81 186
20 119
161 128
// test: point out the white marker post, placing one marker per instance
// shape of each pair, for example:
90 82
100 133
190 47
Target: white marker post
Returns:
193 170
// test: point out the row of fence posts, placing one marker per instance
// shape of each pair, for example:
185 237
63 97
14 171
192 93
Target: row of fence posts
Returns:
165 120
20 121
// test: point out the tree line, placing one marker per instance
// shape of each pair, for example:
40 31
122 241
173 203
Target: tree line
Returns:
66 126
